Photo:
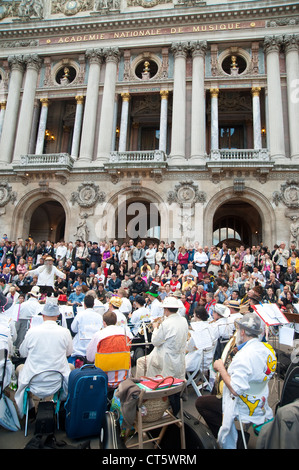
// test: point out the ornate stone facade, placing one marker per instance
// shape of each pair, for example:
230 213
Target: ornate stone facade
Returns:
188 107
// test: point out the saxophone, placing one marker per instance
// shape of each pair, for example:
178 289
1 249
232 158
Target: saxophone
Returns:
226 358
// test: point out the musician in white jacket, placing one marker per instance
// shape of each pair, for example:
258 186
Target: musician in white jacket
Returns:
169 340
46 347
245 390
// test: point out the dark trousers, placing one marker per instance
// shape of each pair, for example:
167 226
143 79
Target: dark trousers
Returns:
210 408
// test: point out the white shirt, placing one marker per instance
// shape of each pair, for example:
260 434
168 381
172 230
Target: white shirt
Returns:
110 330
150 255
156 309
139 315
45 347
61 251
250 371
200 259
86 323
45 278
192 273
29 308
201 338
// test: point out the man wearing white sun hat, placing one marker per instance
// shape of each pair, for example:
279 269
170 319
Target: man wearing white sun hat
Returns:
169 339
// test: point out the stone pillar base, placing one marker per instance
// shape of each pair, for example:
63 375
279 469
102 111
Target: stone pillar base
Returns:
176 160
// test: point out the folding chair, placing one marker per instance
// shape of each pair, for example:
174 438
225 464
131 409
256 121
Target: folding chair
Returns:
3 358
200 373
143 424
53 387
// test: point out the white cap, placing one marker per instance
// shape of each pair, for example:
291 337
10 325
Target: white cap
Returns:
222 310
170 302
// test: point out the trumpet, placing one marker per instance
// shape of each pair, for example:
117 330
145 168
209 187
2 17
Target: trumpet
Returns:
226 358
149 326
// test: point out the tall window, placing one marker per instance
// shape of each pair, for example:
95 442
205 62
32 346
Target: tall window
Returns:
231 137
231 228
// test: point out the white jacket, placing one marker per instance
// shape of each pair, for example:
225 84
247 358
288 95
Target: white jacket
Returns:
168 355
250 371
45 347
86 323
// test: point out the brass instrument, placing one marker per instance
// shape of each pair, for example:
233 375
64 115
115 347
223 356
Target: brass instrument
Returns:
149 326
226 358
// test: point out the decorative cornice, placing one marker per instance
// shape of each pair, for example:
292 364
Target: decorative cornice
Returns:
126 19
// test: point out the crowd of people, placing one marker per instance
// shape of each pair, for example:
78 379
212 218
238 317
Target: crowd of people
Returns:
108 289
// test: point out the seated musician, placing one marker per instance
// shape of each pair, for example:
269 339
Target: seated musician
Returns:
200 338
142 313
245 384
169 340
112 338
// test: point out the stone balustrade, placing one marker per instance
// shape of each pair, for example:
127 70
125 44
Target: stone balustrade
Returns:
45 162
235 155
153 156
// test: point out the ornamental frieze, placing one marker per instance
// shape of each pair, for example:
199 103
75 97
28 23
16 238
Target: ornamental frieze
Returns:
70 8
288 195
6 194
146 3
88 195
186 193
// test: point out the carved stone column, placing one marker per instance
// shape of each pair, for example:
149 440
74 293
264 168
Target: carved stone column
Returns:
2 114
291 43
123 132
33 64
163 120
198 120
95 58
214 119
178 131
276 130
16 64
256 111
42 126
77 126
106 122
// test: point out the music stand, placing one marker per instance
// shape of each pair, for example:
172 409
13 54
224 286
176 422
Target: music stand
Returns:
271 315
46 290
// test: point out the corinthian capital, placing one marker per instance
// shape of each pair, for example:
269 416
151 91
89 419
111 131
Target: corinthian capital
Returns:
16 62
94 55
179 49
272 43
33 61
198 48
112 54
291 42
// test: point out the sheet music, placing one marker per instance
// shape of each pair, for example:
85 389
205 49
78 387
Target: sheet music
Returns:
271 314
296 307
202 338
286 335
67 311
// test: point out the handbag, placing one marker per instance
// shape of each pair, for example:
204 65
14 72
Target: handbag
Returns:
153 409
216 262
158 382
